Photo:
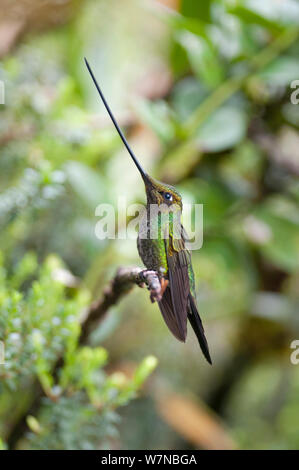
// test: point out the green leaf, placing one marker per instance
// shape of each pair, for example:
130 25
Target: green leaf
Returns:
187 95
225 128
33 424
249 16
86 182
182 23
271 15
3 446
203 57
281 72
227 276
214 196
201 10
276 229
25 268
242 169
158 116
146 367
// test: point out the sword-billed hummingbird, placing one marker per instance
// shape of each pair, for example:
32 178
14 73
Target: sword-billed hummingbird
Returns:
166 253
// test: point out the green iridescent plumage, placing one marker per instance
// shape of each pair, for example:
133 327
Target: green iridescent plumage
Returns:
161 246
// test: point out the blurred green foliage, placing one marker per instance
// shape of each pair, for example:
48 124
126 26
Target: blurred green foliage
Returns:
205 94
37 328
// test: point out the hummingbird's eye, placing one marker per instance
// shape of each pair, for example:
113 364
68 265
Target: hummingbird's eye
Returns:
168 196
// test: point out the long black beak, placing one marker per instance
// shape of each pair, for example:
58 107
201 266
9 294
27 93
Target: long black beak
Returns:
141 170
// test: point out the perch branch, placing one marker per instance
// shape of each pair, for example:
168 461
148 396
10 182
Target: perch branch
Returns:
120 285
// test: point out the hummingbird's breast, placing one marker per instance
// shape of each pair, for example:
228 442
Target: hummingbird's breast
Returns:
151 242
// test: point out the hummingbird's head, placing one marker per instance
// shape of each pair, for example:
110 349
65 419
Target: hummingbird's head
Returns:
161 193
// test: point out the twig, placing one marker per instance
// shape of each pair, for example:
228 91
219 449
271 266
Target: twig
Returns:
120 285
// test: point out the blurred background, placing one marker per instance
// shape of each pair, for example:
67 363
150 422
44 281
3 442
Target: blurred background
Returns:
204 93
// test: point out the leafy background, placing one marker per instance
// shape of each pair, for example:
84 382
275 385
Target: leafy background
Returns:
203 91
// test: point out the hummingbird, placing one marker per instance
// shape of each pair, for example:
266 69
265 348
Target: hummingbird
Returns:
166 252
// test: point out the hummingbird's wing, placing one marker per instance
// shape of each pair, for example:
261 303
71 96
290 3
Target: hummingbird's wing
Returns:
178 302
196 323
174 302
167 311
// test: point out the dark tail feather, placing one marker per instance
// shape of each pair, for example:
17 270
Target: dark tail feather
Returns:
196 324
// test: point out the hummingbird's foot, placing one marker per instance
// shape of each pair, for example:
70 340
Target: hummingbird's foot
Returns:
142 278
153 282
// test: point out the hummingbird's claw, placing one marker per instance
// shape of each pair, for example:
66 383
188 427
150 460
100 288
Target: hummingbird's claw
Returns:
156 284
